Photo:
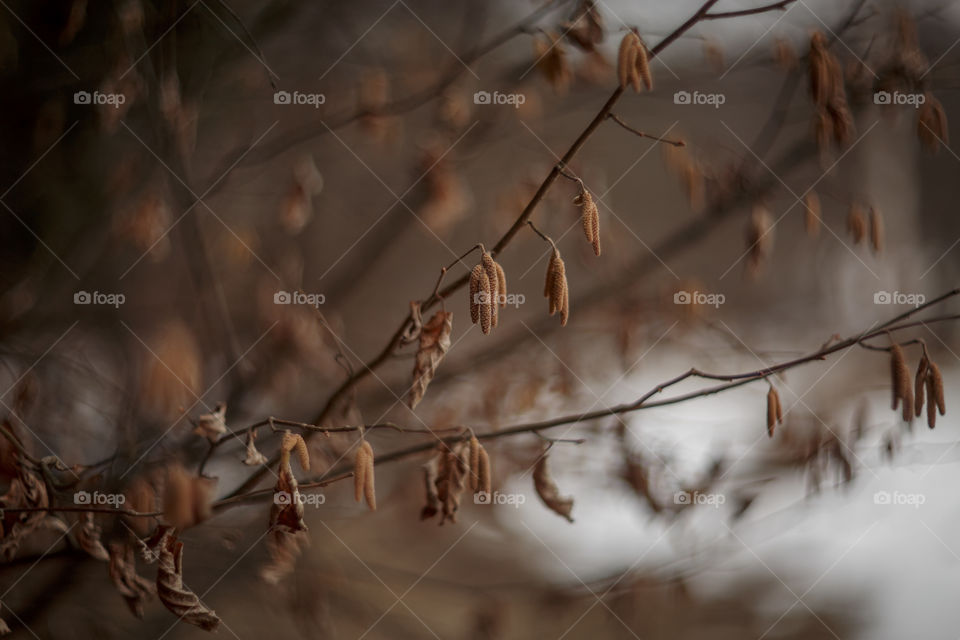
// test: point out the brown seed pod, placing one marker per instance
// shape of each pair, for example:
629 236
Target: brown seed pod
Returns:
476 288
876 230
493 292
363 476
857 223
643 66
774 412
481 302
936 381
555 288
919 385
501 285
900 382
475 448
293 441
484 480
818 69
590 217
627 60
931 404
811 219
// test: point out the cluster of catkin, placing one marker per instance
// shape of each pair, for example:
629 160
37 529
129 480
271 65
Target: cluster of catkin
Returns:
446 477
860 224
927 387
555 288
488 290
833 119
590 217
633 63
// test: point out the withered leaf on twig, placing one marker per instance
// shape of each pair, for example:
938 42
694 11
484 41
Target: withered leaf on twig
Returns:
180 600
548 491
434 343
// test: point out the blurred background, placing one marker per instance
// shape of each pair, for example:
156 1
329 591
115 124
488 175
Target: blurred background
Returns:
236 202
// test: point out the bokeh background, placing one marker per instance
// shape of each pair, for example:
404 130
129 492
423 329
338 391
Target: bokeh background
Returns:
196 193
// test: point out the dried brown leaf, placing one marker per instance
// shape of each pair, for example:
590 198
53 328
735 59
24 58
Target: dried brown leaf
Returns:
181 601
434 343
548 491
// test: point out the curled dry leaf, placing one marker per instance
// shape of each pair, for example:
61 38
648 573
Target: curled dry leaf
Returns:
253 456
212 425
182 602
434 343
452 469
548 492
363 476
87 535
135 589
586 29
26 490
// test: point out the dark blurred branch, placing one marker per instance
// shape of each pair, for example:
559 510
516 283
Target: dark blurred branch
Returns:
748 12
